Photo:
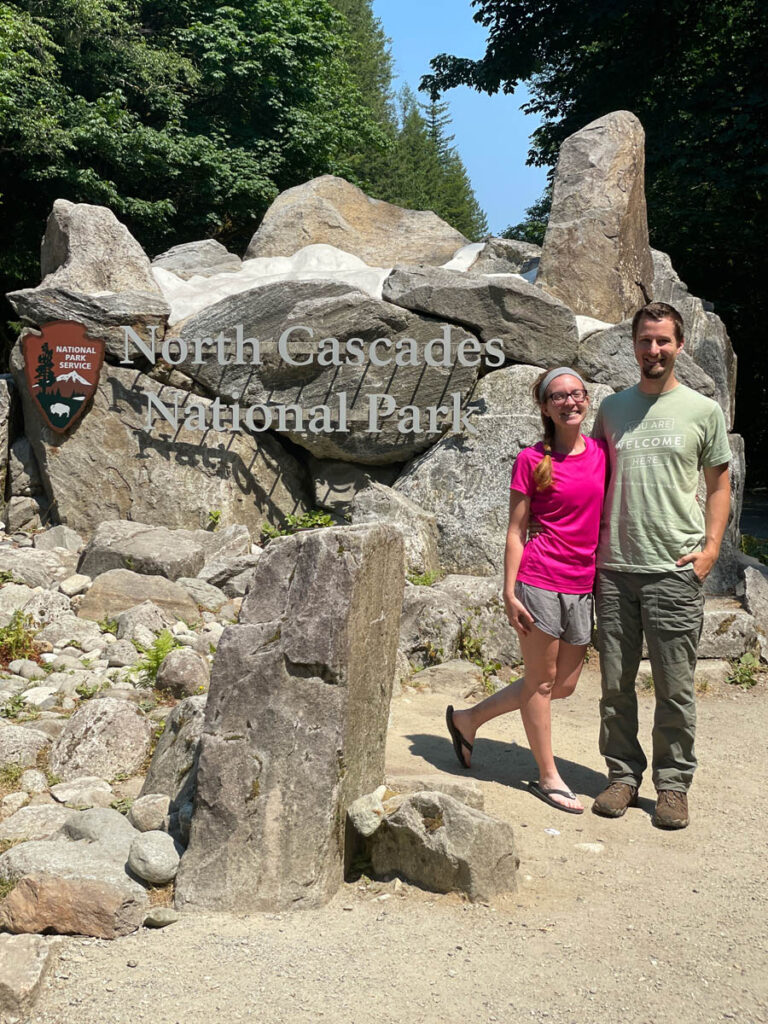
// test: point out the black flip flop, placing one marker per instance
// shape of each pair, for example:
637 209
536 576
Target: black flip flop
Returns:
458 739
546 796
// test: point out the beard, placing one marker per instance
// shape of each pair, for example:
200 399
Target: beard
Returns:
652 371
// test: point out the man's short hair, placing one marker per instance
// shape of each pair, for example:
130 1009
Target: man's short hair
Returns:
658 311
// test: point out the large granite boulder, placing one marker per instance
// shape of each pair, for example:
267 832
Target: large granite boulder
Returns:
380 504
103 316
296 721
506 256
158 551
332 211
72 906
198 259
326 320
103 737
533 326
118 590
37 568
443 845
459 616
158 473
706 339
728 630
596 247
464 479
86 249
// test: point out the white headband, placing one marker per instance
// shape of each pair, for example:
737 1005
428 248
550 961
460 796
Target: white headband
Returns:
558 372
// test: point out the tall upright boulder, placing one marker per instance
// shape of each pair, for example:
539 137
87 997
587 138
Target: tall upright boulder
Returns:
596 247
86 249
296 721
330 210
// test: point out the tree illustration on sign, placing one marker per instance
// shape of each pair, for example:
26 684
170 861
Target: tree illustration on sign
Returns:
44 375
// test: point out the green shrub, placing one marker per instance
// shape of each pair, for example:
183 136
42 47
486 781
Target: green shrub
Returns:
10 775
743 671
14 706
423 579
295 524
17 638
469 647
155 655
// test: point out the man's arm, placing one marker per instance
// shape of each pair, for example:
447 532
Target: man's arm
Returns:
716 513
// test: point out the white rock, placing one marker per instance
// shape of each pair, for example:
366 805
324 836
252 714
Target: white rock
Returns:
87 791
33 781
367 812
13 802
38 822
153 857
76 584
41 696
150 813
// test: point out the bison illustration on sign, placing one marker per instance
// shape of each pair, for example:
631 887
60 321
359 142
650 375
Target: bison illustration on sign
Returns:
62 366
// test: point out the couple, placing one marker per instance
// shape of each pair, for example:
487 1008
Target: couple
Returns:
653 552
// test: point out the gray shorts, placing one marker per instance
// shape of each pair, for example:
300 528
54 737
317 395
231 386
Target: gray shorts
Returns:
565 616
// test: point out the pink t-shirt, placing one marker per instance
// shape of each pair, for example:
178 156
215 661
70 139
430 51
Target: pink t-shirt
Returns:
562 556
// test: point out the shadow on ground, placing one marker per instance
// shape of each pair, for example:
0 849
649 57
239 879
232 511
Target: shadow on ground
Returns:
506 763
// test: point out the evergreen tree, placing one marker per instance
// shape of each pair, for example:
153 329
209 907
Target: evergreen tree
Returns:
44 376
368 55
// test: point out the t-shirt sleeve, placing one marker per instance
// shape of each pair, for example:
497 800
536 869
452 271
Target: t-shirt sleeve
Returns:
715 451
522 473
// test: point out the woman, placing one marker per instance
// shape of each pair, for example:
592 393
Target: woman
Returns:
548 582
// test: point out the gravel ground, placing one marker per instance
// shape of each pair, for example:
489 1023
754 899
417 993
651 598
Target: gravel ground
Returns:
613 921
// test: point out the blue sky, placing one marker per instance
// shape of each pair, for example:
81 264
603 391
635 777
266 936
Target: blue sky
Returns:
491 131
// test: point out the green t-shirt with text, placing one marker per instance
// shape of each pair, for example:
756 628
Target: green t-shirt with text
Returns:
657 444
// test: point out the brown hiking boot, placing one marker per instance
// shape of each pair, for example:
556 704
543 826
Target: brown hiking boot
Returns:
615 799
671 809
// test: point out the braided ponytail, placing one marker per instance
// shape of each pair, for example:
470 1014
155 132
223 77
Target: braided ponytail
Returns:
542 474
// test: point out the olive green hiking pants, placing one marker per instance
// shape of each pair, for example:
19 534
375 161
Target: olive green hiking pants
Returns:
668 608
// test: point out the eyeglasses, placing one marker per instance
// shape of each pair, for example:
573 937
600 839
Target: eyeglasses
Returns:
559 397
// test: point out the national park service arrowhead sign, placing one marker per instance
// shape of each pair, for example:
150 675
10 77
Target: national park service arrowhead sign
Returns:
62 367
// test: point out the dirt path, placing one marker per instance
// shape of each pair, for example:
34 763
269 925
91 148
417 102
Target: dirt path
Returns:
639 926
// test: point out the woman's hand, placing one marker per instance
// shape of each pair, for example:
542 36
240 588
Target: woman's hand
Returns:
519 617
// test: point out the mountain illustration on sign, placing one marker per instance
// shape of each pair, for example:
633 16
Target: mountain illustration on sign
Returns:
73 376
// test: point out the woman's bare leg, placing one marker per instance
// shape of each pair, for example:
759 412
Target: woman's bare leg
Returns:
551 666
563 666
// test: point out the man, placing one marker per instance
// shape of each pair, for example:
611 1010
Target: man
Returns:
656 549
